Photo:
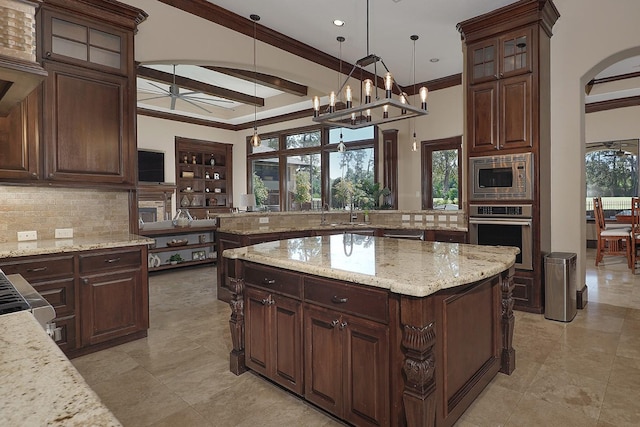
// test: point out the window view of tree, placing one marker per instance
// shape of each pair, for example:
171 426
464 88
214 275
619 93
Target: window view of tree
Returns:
611 170
303 140
350 176
441 174
444 183
304 182
266 183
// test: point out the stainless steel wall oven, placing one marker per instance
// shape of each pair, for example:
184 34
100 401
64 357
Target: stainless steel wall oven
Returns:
504 225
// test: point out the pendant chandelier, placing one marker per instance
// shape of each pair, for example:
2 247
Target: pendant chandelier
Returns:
255 139
372 109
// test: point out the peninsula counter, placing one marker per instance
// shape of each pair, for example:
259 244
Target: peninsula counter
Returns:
377 331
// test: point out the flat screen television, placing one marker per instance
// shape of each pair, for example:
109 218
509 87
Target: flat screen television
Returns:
150 166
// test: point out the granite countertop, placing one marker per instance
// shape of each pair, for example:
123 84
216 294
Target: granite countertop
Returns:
38 384
41 247
406 267
337 226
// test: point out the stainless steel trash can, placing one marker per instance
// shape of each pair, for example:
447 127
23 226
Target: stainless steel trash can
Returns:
560 286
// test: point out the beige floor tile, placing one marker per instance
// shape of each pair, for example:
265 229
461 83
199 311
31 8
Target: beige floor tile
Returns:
484 411
620 406
534 412
101 366
187 417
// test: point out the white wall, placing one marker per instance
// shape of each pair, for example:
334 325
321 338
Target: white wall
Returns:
610 125
588 37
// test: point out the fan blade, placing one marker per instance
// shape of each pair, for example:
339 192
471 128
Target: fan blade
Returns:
205 100
159 88
196 105
153 97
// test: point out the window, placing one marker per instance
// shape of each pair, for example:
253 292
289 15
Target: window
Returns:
611 170
441 173
302 169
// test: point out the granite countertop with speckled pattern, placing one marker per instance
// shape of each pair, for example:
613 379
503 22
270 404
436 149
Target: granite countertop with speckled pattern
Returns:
38 384
407 267
51 246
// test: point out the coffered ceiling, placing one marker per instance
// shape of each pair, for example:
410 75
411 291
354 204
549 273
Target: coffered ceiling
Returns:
229 97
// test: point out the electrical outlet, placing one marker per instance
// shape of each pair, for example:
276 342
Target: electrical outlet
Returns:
27 235
264 220
64 233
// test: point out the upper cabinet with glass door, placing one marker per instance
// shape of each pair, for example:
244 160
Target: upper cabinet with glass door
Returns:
72 40
505 56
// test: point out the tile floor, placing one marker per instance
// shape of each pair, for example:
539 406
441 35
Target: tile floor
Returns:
583 373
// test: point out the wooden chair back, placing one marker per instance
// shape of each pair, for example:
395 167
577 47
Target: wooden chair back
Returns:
635 216
598 213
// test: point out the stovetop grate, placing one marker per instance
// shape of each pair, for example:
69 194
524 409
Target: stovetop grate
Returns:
10 299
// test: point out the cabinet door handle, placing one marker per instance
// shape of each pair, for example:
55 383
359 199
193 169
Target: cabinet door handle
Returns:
85 281
265 301
339 300
335 323
48 54
37 269
343 324
112 260
267 281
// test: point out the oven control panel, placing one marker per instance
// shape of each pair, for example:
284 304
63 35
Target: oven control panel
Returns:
520 211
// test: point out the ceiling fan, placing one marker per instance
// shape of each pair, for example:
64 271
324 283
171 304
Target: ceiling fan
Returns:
616 153
193 98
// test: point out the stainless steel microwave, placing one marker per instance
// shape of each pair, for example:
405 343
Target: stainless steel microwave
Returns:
503 177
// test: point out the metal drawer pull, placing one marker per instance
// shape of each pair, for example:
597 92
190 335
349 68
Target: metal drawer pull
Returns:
112 260
343 325
335 323
339 300
268 301
35 270
267 281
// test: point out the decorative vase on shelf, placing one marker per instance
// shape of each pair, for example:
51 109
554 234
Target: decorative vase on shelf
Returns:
185 201
212 161
183 218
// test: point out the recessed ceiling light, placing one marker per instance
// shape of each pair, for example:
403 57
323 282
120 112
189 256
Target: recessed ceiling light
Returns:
338 22
434 60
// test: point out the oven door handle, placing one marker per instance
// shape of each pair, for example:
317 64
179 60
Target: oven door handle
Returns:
497 221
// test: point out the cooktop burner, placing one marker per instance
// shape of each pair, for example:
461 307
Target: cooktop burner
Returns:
10 299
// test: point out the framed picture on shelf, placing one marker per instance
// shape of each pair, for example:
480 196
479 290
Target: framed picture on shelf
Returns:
198 255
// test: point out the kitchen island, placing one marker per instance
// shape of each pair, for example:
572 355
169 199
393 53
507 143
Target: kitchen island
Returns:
377 331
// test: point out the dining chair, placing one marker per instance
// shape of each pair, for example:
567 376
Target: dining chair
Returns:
635 232
611 241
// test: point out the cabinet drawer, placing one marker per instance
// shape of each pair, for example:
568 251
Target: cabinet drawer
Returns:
362 301
60 294
274 280
38 269
111 260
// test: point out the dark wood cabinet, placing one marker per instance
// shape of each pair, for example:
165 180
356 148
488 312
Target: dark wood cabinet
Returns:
19 133
86 126
100 297
274 337
110 306
449 236
346 366
500 101
113 294
204 176
54 279
78 127
508 68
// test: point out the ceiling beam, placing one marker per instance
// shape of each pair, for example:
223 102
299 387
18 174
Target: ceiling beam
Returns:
268 80
614 78
186 83
612 104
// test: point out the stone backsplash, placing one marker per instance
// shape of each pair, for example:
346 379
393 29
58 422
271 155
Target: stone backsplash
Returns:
89 212
17 32
437 219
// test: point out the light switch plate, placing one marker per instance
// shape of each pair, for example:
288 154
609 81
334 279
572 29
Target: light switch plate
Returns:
64 233
23 236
